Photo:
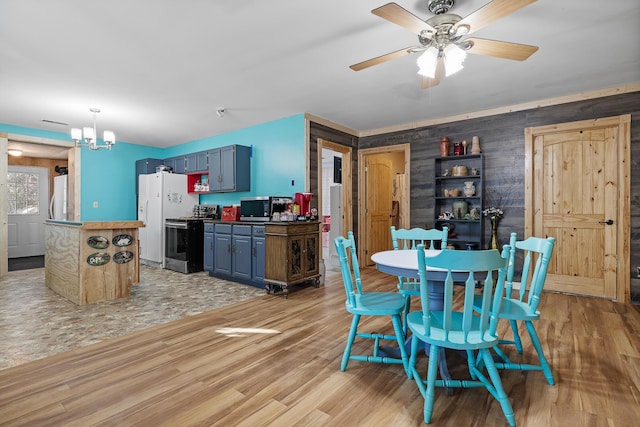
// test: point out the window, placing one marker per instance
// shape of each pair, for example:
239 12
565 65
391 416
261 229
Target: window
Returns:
23 193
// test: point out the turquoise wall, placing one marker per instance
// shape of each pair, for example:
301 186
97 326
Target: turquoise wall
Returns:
108 177
277 158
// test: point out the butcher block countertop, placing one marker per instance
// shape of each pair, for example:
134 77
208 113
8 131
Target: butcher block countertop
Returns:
87 262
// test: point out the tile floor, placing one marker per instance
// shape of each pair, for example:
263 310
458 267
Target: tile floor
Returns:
35 322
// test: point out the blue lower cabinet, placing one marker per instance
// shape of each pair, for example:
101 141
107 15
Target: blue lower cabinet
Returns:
238 253
222 249
259 254
241 256
207 262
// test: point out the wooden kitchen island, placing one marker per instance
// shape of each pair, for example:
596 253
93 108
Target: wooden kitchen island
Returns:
87 262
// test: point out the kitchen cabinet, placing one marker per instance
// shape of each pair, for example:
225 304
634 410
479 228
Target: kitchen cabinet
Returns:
207 261
197 162
293 250
229 169
238 253
258 251
177 163
222 250
145 167
241 252
453 207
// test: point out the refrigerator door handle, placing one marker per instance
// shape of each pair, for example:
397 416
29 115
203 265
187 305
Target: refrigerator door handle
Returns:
51 207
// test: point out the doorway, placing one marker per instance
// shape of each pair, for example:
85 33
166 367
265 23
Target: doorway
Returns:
577 183
334 198
27 205
384 187
37 151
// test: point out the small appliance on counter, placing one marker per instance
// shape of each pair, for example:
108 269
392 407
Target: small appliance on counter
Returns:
304 201
263 208
206 211
231 213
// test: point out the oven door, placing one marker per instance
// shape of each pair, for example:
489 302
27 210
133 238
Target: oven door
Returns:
175 250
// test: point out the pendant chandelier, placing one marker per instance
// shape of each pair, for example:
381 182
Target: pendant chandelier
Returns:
89 135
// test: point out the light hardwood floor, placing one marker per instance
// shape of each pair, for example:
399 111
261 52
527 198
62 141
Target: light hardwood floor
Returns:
270 361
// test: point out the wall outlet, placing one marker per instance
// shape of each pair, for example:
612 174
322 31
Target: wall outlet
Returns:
95 204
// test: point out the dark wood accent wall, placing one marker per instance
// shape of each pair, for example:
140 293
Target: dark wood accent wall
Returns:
502 143
318 131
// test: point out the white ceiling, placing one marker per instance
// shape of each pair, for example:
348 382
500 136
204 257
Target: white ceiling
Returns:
159 69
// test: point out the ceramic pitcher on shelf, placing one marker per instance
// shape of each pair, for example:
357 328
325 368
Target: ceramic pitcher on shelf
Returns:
475 145
469 189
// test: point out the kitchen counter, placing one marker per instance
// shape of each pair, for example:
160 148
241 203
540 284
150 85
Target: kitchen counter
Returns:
87 262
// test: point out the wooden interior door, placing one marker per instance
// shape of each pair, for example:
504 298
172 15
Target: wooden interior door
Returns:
378 189
572 194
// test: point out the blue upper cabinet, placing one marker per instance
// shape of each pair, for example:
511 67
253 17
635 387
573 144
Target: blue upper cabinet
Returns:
229 169
197 162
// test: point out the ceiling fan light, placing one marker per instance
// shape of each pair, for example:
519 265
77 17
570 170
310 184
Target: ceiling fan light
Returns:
427 63
454 56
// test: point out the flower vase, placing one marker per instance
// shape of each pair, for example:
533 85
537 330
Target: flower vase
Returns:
494 234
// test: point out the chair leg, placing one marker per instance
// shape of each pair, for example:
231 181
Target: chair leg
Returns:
546 369
407 308
500 394
415 342
350 339
516 336
429 395
472 362
397 327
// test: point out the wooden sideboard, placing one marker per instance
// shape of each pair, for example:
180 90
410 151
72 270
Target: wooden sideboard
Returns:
293 254
87 262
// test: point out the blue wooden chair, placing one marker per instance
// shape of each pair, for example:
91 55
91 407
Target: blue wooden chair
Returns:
522 305
410 239
460 329
360 303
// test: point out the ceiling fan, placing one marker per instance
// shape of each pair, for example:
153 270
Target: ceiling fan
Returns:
441 37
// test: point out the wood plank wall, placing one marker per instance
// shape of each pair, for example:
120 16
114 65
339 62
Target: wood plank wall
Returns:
318 131
502 143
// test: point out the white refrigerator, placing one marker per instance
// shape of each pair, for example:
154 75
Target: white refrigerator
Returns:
161 195
59 199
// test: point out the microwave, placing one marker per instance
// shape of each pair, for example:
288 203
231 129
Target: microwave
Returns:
262 208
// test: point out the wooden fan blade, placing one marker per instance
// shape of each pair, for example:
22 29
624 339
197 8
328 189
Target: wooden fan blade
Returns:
491 12
392 12
498 49
428 83
383 58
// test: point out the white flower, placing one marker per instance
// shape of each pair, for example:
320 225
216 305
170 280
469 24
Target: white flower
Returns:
493 212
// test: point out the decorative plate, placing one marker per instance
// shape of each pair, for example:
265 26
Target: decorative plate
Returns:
98 258
98 242
122 257
122 240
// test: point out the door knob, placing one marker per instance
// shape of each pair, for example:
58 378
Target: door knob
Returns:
608 222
